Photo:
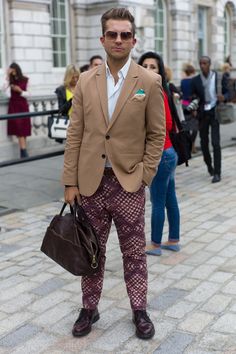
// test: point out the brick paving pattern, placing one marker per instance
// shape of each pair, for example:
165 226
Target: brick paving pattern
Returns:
191 298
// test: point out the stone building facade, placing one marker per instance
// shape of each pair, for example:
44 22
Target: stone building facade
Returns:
43 36
32 33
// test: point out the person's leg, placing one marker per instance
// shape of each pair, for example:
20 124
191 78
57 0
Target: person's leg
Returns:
22 146
172 206
22 142
158 192
100 219
215 140
204 141
193 139
128 215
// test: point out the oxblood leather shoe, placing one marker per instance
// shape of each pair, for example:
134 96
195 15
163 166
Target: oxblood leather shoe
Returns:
83 324
144 326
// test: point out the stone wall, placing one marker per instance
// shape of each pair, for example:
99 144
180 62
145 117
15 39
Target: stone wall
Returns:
27 37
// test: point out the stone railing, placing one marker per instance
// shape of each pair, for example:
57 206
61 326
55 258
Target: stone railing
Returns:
38 140
38 104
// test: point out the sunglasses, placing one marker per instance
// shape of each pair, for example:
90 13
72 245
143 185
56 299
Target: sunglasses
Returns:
112 36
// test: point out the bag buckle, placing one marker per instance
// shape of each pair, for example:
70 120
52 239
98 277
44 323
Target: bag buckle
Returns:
94 263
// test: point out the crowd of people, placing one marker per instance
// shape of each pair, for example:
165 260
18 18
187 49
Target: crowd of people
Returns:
17 86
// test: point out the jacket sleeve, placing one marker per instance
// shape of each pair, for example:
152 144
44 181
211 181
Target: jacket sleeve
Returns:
61 96
155 131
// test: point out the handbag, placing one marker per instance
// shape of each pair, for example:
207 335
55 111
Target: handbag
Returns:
182 144
57 126
179 109
226 113
180 139
71 241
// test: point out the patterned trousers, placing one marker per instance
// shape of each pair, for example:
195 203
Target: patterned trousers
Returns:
112 202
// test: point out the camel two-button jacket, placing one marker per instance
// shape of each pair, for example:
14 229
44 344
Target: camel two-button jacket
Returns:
132 140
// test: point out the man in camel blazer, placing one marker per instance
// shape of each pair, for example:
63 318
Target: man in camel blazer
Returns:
114 144
132 140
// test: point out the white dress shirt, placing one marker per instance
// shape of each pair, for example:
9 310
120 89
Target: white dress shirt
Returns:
114 90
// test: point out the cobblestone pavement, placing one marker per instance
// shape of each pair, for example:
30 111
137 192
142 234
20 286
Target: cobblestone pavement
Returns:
192 294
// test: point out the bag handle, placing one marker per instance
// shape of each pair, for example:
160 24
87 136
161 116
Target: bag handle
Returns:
63 208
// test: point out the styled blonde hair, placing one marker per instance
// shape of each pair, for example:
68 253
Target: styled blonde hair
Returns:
71 70
225 67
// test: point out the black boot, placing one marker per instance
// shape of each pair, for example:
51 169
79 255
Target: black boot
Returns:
23 153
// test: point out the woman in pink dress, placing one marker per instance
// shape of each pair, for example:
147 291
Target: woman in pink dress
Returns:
21 127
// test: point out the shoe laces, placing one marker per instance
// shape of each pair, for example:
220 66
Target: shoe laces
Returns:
141 314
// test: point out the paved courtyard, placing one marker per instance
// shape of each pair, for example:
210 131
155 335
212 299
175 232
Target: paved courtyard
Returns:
192 294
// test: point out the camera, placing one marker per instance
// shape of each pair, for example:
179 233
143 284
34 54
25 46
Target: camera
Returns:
193 106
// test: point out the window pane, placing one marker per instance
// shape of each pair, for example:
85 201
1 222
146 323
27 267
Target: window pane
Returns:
202 31
160 4
227 28
54 9
63 44
63 59
161 32
160 28
55 60
63 11
160 17
63 27
59 32
55 27
55 43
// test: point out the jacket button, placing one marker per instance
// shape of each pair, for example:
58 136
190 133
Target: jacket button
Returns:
107 137
103 156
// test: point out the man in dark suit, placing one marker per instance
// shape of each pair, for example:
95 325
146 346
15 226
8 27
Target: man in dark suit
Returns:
204 88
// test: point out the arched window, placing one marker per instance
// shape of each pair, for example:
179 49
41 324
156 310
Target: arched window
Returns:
1 34
227 31
160 28
59 30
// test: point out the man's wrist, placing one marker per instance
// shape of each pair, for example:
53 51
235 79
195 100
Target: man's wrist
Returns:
67 186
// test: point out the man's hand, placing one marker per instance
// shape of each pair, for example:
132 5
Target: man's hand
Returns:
9 71
220 98
70 194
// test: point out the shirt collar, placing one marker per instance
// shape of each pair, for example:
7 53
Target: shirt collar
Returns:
123 71
210 75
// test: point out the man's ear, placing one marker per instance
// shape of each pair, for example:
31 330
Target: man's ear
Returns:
134 41
102 39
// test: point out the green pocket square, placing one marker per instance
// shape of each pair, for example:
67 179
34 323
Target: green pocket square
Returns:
140 92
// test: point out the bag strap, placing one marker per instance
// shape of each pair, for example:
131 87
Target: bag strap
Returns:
63 208
72 210
92 245
173 110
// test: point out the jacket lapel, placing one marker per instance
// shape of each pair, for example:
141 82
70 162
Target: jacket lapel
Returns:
129 83
102 90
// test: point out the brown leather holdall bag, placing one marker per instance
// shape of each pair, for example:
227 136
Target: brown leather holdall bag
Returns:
71 242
